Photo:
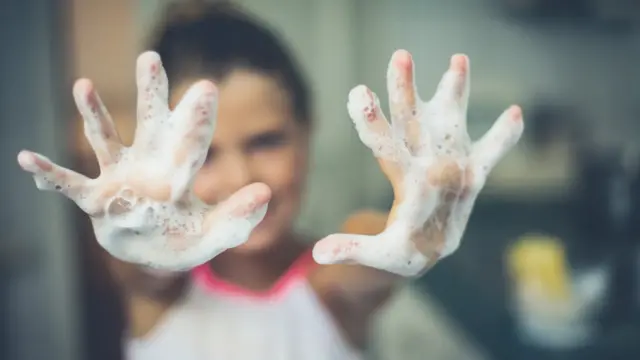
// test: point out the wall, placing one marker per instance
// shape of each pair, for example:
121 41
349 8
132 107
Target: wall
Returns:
38 282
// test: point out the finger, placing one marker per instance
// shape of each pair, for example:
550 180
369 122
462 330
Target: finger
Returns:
99 128
192 126
153 97
372 126
454 85
345 248
51 177
230 224
447 112
379 252
403 97
246 202
496 142
226 227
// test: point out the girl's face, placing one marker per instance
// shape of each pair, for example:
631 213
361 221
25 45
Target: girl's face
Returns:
256 139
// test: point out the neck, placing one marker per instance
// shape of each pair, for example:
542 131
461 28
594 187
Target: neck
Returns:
258 272
143 314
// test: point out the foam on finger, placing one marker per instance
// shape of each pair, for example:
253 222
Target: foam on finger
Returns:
153 88
500 138
404 102
153 112
454 85
47 175
385 251
192 127
372 126
99 128
400 84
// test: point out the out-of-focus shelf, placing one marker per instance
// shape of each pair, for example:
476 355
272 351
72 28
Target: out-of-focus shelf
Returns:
530 176
471 285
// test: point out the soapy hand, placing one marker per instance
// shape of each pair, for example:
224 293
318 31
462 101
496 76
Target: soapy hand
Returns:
434 168
142 205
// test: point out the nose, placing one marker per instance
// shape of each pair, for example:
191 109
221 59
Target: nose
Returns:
235 173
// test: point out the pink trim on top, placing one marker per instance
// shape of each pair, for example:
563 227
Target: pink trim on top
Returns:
207 278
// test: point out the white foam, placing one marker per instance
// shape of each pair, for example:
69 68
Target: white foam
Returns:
142 206
426 140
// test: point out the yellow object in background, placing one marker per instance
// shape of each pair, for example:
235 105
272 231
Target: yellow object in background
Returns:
538 262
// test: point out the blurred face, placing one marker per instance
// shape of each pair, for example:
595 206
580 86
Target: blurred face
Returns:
256 140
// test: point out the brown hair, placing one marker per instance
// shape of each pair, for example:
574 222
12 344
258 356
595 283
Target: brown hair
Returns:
198 39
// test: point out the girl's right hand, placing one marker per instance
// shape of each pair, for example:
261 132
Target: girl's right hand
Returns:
142 205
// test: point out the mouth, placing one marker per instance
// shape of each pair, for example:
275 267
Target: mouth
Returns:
270 211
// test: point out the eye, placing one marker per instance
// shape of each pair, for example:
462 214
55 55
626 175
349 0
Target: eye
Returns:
267 141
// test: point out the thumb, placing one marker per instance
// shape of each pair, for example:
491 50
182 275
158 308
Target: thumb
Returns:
380 252
347 248
247 204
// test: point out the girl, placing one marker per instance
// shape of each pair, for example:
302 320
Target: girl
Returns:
234 281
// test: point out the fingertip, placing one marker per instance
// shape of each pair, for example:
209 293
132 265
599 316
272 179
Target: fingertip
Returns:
203 92
206 87
262 193
500 138
32 162
362 95
82 88
149 60
321 257
249 200
201 95
454 85
336 248
515 113
357 92
402 59
514 122
362 104
25 160
400 83
324 251
459 63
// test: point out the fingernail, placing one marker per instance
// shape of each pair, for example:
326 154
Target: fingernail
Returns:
516 112
458 62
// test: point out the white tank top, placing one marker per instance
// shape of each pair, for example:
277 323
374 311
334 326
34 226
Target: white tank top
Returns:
217 320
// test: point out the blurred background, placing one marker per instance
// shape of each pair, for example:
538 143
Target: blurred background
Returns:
550 265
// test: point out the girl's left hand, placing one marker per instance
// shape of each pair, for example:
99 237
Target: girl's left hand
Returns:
434 168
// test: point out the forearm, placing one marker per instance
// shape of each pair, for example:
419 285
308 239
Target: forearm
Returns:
360 285
352 293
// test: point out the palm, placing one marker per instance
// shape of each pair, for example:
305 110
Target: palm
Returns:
435 169
142 205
